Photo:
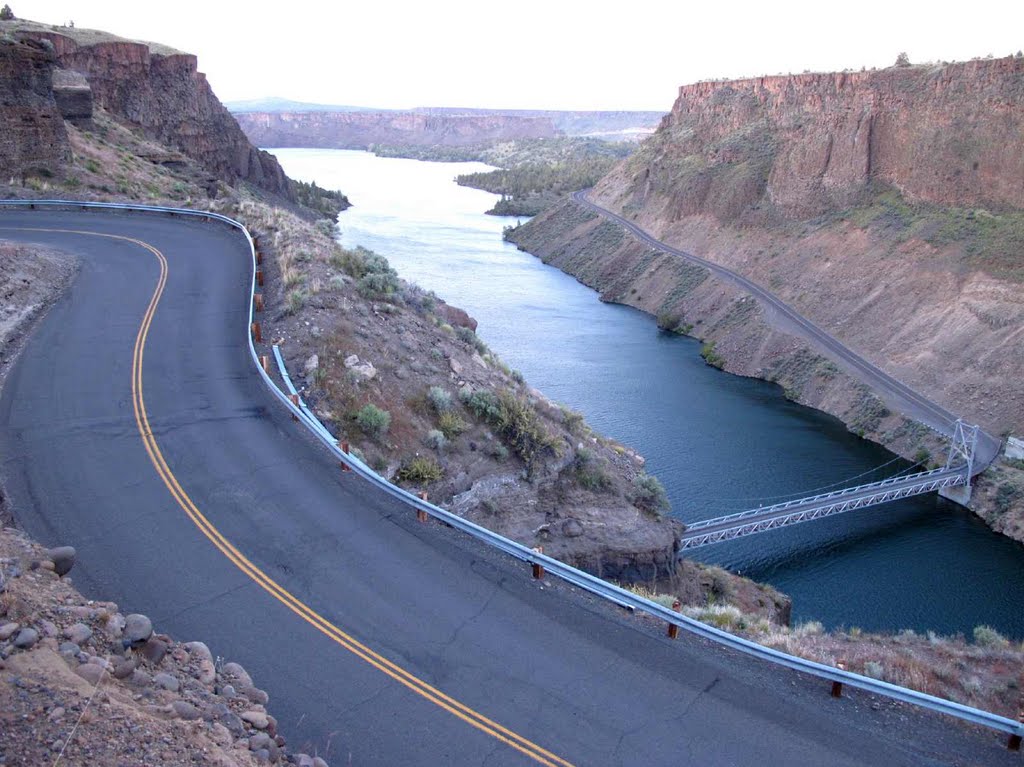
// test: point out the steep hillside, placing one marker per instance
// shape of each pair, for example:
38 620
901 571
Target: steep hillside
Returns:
159 91
360 130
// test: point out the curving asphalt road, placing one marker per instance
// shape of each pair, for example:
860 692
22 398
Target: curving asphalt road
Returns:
906 399
380 640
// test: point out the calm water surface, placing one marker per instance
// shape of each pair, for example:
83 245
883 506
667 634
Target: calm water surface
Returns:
719 443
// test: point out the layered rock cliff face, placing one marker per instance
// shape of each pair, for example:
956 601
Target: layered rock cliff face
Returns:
801 145
165 96
32 134
884 206
360 130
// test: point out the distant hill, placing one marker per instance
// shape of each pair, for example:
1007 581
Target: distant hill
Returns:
570 122
606 123
276 104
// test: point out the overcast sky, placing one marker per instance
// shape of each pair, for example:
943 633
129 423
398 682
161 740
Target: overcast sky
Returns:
544 54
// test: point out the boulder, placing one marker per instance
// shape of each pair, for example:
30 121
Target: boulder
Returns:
63 558
137 628
26 638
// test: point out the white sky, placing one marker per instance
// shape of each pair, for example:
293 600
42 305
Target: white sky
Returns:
543 54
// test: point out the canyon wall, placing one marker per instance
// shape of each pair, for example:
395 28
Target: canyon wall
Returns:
360 130
32 134
801 145
162 93
884 206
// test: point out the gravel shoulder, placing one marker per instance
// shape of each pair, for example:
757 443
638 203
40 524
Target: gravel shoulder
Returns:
31 281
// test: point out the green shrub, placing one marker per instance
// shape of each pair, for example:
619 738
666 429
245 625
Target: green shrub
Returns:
482 403
296 300
986 636
468 336
649 494
451 425
589 474
373 421
378 285
439 399
436 439
421 470
707 351
572 420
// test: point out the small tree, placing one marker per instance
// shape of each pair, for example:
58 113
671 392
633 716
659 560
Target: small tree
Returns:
903 60
6 14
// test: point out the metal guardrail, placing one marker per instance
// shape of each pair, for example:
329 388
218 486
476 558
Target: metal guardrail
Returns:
554 567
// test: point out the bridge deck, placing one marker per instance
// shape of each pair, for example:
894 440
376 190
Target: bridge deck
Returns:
758 520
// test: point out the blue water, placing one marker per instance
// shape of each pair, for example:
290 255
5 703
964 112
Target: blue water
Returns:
718 443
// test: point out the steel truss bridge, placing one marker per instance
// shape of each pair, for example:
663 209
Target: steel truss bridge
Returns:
958 471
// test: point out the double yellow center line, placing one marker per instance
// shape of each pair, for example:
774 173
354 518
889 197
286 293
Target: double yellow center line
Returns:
394 671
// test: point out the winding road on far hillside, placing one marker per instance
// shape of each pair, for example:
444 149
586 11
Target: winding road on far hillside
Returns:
902 397
134 427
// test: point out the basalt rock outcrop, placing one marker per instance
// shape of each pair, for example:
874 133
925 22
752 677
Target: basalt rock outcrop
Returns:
162 93
74 97
801 145
360 130
32 134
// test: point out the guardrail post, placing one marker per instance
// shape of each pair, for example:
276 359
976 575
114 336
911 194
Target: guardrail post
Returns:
257 301
294 399
538 568
344 449
673 628
421 514
265 363
257 332
1014 741
259 277
837 687
259 257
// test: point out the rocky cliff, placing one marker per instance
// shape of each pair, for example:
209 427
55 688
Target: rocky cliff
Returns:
801 145
32 134
359 130
161 92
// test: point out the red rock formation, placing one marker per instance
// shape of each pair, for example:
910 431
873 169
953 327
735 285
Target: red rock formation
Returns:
804 144
169 100
32 134
359 130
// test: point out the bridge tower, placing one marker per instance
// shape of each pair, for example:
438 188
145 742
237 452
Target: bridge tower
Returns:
961 453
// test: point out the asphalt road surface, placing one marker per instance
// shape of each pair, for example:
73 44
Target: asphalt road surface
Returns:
896 393
135 428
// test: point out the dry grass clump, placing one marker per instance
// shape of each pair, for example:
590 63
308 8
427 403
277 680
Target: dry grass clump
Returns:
987 673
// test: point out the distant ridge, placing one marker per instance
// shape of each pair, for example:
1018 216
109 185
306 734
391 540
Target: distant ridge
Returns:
278 104
569 122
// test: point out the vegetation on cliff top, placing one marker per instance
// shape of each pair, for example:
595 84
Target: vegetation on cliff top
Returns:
327 202
531 174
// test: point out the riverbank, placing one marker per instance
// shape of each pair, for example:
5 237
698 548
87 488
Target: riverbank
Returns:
742 337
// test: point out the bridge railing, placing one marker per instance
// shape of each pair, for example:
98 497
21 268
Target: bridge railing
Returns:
909 479
554 567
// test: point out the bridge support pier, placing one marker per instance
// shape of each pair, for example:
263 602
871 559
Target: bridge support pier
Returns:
958 494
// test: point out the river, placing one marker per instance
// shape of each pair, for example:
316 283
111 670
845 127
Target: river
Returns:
719 443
